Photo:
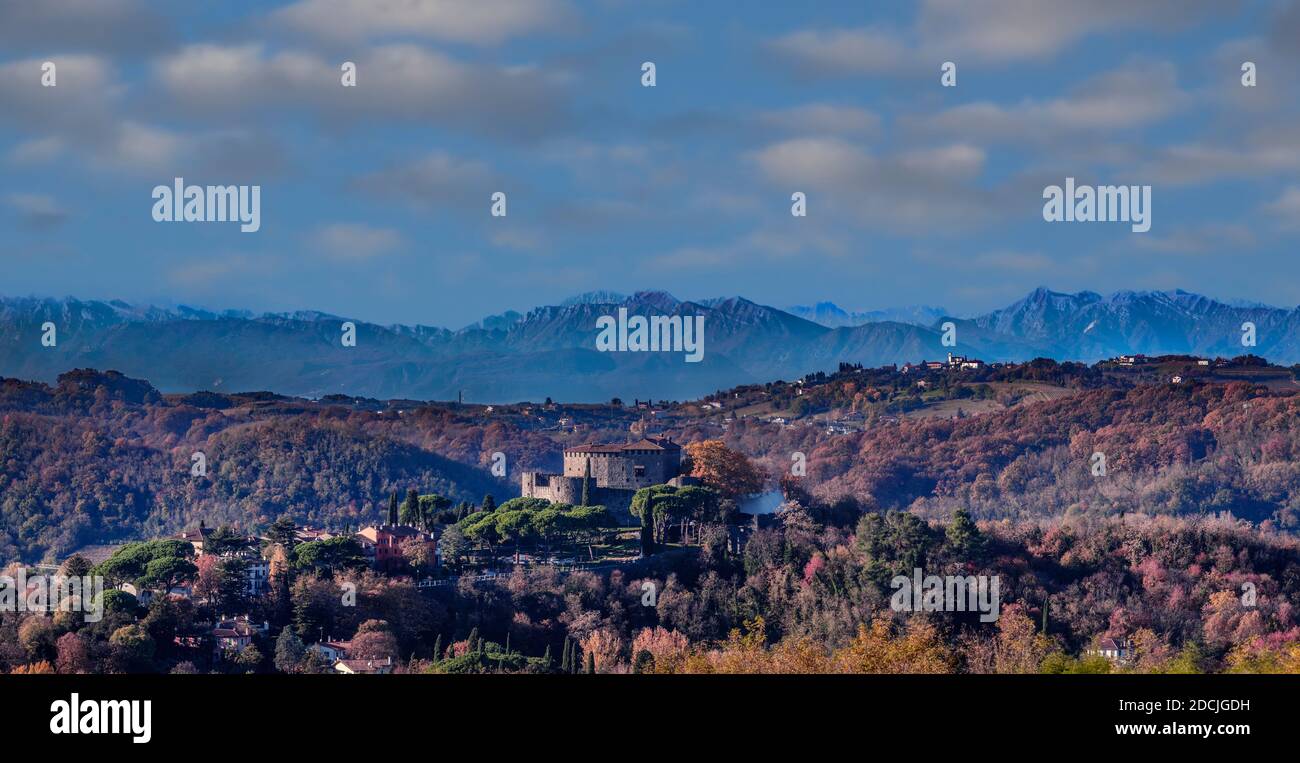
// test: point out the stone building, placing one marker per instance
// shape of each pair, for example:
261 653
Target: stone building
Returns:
613 474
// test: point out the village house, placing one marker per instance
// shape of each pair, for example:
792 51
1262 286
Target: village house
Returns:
233 635
964 363
332 650
1115 650
257 568
383 545
364 667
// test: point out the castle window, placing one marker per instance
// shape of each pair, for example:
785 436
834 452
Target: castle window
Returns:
639 470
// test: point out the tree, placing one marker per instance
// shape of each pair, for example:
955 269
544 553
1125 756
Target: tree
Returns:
431 506
223 540
249 659
132 645
342 552
289 651
284 532
489 503
130 563
591 664
392 509
410 513
417 553
963 536
453 545
586 482
728 471
76 566
374 641
73 654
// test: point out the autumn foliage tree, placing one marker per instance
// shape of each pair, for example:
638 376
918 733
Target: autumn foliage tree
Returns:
728 471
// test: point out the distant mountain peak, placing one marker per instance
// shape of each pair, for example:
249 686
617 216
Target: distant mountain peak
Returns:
598 297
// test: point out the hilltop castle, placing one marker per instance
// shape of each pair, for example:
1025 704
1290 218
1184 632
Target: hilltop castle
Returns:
613 474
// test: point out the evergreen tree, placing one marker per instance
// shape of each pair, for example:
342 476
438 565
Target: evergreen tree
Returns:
489 503
284 532
437 648
566 660
546 657
289 650
964 536
586 483
644 663
591 663
472 642
409 514
392 508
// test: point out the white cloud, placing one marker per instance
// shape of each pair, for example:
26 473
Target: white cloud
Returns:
824 119
233 82
356 241
988 31
465 21
1020 30
1286 208
926 190
860 50
1135 95
36 210
436 180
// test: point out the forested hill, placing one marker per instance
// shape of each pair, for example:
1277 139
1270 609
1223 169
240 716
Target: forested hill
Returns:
101 457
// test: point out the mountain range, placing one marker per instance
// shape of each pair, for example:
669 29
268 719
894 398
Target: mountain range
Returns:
551 351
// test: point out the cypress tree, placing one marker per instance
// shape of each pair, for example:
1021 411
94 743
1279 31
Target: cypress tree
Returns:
586 483
437 648
566 658
591 663
489 503
392 508
546 657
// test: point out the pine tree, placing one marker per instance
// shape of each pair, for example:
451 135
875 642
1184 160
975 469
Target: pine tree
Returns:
410 511
289 651
392 508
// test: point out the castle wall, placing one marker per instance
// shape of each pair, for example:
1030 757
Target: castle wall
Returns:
614 478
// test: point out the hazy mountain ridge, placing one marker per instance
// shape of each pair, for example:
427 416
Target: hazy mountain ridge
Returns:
550 351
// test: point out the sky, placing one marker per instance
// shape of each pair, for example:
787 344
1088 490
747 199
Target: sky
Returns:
376 199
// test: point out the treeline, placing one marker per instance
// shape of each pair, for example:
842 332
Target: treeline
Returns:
99 458
1182 449
811 593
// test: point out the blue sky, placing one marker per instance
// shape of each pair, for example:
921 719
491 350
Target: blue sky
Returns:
375 199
